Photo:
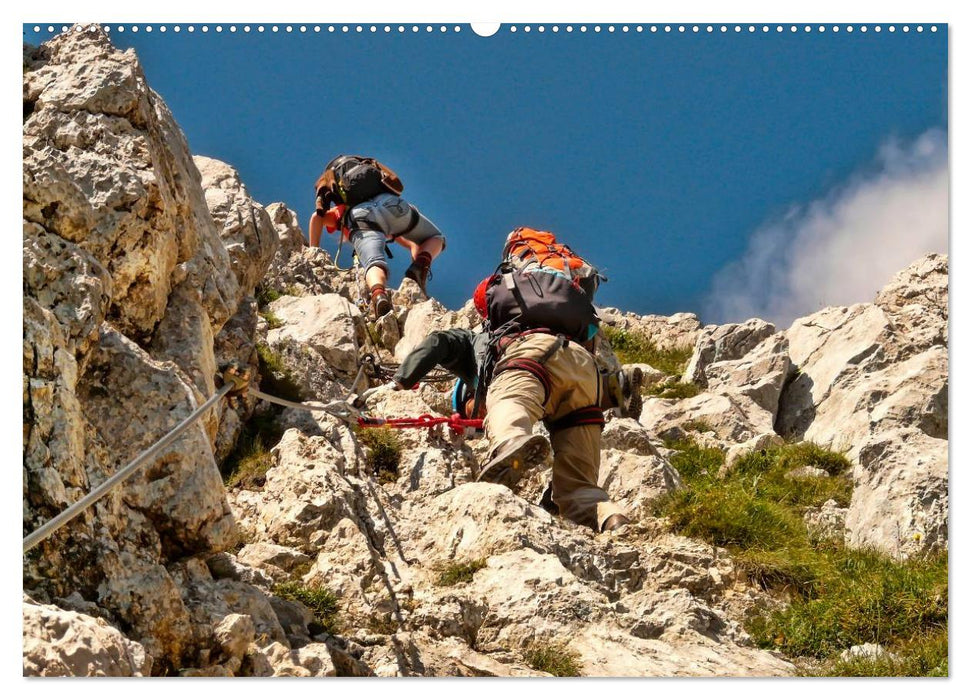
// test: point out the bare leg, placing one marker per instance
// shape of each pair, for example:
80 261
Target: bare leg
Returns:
375 275
433 246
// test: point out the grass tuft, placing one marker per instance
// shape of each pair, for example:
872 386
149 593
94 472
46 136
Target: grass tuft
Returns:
674 390
266 296
838 597
246 466
383 452
460 572
322 602
554 658
698 426
272 320
631 347
275 379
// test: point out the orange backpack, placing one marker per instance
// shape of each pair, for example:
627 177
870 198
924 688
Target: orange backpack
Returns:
526 247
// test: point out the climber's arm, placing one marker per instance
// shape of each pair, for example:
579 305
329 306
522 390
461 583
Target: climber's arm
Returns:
452 349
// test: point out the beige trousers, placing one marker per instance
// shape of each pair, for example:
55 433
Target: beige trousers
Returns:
515 402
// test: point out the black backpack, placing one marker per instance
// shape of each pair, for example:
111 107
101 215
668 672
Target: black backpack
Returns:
358 179
539 298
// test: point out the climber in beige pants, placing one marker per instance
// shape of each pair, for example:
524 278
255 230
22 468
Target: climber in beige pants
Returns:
517 398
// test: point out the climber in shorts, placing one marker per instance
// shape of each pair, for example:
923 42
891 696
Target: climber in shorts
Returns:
535 375
362 198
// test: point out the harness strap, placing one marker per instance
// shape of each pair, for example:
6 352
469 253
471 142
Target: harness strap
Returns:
588 415
533 367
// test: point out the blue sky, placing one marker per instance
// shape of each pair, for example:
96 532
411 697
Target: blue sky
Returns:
656 156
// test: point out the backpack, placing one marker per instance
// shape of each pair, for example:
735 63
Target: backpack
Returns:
520 299
358 179
542 283
528 248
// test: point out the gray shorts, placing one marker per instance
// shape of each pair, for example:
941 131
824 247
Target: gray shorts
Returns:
375 222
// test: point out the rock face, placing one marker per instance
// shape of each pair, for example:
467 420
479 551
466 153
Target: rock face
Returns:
667 332
724 343
146 269
128 281
66 643
872 379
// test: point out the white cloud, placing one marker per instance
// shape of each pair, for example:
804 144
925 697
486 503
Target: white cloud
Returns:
841 249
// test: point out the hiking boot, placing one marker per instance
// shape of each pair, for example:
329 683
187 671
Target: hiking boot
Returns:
513 457
623 391
546 502
615 522
381 305
421 274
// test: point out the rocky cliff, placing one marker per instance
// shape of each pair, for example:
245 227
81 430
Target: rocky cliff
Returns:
145 269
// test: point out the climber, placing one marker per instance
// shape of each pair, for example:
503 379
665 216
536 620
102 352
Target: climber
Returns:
526 371
362 198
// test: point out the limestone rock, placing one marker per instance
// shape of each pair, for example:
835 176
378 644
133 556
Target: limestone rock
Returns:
635 480
824 347
760 442
917 301
900 495
247 230
759 374
287 225
733 418
106 168
234 634
425 317
127 285
62 643
630 436
872 381
328 324
731 341
304 496
828 522
865 651
667 332
299 270
262 554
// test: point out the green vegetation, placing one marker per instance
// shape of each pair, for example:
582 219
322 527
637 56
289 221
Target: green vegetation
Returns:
459 572
383 452
554 658
272 320
274 377
673 389
631 347
694 462
246 466
322 603
837 597
266 296
698 426
925 656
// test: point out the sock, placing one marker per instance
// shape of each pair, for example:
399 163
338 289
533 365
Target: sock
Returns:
423 259
377 289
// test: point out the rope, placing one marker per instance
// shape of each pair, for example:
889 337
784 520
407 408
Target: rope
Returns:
75 509
454 422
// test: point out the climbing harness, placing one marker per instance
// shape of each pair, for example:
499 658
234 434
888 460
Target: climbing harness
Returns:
235 383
